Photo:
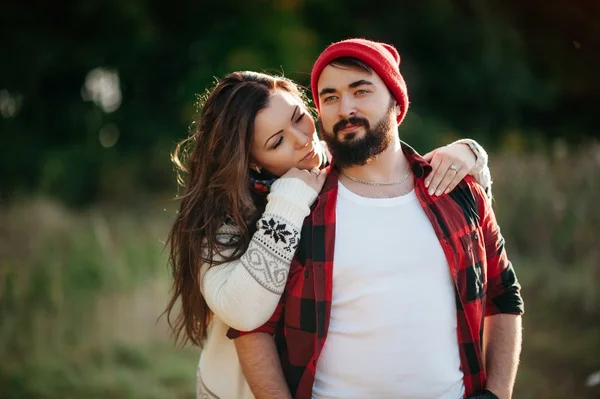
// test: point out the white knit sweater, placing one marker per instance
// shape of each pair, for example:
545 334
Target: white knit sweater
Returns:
244 293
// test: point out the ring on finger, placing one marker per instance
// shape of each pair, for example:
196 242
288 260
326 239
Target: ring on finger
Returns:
454 168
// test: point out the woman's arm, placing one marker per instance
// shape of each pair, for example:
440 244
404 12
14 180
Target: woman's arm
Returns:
453 162
481 170
245 292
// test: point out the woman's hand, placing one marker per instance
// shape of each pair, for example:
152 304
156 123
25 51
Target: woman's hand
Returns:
314 178
450 165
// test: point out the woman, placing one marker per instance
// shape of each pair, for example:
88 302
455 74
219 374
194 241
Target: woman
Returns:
253 172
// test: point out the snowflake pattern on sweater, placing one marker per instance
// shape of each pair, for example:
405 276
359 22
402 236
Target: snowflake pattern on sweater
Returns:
270 252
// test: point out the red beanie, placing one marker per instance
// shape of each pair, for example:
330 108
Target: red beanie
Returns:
382 58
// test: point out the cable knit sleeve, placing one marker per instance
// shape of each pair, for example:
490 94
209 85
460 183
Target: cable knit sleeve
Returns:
245 292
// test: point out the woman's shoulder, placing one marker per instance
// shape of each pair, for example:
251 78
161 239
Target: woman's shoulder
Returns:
227 233
228 228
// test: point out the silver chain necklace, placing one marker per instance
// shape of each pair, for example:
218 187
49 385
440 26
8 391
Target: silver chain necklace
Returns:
376 183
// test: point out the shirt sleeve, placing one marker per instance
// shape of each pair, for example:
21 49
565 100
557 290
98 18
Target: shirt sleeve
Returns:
503 288
244 293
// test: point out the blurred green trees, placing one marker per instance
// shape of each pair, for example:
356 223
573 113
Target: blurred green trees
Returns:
94 94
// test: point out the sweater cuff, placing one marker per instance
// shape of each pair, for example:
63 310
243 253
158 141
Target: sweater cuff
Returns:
480 155
290 199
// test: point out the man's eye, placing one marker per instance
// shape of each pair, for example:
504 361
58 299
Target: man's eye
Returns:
329 99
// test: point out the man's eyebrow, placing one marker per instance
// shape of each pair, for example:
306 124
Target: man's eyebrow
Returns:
361 82
327 90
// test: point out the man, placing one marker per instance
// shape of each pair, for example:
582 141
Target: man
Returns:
393 293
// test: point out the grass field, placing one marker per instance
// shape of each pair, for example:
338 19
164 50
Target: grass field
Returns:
81 292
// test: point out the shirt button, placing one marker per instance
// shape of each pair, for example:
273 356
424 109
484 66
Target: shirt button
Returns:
475 236
306 274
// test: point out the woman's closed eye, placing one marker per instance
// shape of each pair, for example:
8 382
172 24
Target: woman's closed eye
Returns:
280 139
278 142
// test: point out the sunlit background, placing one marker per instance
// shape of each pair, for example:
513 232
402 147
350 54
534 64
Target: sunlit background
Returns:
94 95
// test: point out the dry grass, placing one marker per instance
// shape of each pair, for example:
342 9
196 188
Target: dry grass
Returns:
548 209
80 292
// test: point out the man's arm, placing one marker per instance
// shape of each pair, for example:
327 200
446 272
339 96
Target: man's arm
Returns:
502 347
259 358
260 364
504 306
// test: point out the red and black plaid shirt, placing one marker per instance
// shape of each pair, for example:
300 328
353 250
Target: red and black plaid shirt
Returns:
484 279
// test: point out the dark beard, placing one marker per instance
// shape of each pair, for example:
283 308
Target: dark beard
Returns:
357 152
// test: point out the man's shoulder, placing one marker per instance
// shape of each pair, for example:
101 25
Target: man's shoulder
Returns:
469 193
470 183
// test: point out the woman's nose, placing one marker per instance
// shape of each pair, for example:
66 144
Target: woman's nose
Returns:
301 140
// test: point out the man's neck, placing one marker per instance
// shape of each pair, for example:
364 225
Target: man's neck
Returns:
390 165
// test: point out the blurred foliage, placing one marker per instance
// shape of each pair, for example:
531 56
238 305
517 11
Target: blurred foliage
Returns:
80 297
81 291
482 68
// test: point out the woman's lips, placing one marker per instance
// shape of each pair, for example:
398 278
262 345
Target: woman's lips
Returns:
310 155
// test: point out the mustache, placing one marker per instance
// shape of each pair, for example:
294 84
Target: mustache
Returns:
354 120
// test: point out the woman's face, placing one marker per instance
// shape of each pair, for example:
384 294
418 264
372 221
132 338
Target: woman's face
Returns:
285 136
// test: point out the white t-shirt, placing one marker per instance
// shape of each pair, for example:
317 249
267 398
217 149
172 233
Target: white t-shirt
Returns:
392 332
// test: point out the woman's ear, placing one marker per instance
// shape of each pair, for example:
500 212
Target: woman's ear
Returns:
255 167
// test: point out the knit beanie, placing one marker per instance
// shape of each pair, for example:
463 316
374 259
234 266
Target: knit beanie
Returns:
381 57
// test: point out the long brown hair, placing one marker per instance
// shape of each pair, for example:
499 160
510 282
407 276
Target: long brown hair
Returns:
213 170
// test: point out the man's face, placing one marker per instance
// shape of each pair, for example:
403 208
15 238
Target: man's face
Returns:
357 114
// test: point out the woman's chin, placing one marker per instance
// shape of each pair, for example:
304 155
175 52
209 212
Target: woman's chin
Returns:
312 163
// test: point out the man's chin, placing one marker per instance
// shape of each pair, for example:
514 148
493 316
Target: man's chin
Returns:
350 136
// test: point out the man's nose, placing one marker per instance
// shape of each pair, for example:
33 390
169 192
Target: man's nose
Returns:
347 107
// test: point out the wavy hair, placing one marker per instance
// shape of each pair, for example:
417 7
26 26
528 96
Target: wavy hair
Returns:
213 170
